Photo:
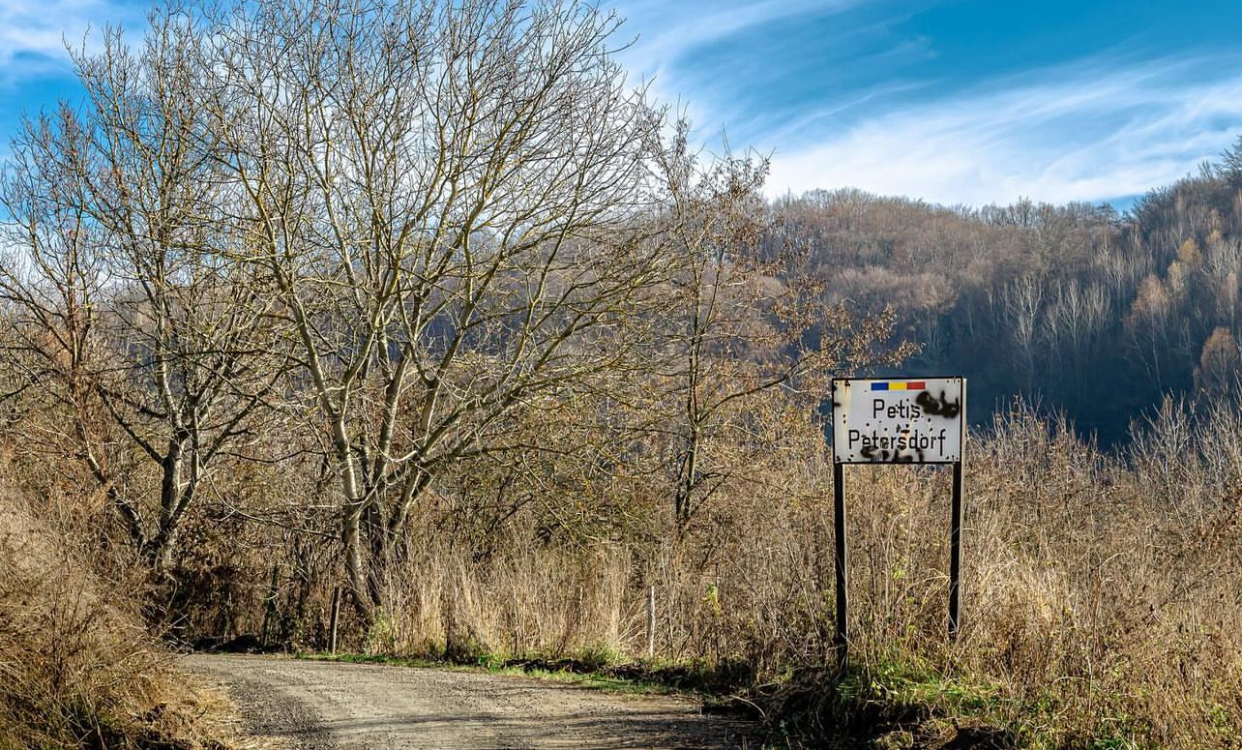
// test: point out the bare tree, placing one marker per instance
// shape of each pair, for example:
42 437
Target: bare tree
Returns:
133 307
1219 365
444 196
745 317
1075 319
1022 301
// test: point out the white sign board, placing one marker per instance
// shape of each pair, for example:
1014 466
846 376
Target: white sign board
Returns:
898 420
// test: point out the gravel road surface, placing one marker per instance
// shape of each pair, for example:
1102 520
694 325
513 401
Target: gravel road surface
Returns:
310 705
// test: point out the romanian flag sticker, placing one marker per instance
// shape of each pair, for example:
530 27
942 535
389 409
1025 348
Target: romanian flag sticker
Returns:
900 385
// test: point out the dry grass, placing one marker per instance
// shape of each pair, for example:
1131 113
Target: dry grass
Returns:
1102 595
77 668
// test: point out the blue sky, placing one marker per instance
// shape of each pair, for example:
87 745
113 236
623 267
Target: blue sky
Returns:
950 101
956 101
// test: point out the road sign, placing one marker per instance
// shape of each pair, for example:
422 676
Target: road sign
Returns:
897 420
900 421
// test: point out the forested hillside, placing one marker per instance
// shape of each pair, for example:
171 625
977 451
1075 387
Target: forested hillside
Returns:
1076 308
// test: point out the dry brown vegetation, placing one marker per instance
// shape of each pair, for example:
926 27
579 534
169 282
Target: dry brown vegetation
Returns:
1102 597
78 667
1102 603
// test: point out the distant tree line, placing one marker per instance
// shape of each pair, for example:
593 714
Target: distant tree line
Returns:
1077 309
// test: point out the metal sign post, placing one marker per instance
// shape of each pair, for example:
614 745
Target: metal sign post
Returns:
897 421
842 561
955 555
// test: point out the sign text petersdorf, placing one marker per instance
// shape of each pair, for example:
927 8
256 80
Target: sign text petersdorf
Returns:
898 421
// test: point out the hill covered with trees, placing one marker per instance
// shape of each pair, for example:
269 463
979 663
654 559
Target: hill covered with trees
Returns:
1077 309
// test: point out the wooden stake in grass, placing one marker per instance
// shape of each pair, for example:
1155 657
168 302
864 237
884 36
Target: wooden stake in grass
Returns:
336 613
651 622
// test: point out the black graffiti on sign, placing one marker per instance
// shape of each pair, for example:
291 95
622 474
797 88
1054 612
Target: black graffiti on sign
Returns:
940 407
884 456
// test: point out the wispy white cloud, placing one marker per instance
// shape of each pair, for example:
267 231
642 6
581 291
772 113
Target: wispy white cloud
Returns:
673 29
1091 132
836 91
667 36
33 33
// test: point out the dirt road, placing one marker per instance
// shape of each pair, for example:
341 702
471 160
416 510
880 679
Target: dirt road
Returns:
308 705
